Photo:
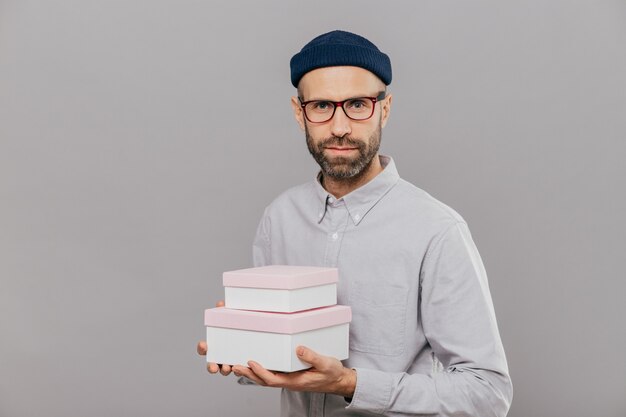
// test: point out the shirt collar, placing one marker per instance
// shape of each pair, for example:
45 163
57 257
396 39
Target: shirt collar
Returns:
360 201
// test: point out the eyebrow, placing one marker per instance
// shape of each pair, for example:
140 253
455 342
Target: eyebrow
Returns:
346 99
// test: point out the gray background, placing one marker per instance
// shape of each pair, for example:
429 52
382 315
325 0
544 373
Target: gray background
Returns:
141 140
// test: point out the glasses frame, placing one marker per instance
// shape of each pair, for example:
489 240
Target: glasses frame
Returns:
381 96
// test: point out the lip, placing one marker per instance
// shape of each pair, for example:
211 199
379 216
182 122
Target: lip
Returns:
340 149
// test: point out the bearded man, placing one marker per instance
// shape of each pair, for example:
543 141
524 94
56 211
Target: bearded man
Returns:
424 338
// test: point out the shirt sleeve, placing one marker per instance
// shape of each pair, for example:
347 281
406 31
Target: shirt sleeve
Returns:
261 245
459 323
260 257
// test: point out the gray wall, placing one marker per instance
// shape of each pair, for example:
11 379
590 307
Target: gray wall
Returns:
141 140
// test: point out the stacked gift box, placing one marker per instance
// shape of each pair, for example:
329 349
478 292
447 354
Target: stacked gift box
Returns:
271 310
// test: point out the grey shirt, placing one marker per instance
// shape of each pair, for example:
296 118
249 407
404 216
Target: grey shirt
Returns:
424 338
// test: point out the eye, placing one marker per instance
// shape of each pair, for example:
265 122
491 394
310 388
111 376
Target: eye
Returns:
321 105
357 104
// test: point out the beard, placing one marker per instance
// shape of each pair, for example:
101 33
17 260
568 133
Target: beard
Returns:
342 167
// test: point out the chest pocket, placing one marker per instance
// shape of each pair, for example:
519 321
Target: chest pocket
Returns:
378 319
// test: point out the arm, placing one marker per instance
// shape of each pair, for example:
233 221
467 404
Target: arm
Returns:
261 246
260 255
459 322
325 375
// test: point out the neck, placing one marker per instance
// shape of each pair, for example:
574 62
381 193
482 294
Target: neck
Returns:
339 187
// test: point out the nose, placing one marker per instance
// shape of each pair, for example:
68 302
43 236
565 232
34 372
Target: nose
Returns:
340 124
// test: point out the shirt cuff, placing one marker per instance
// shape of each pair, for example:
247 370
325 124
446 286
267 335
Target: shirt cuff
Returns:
373 390
245 381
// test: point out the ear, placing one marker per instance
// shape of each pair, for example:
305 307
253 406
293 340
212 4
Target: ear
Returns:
386 109
298 113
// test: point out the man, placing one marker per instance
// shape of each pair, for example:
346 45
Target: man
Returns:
424 338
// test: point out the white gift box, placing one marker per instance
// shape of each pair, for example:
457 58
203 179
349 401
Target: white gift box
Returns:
280 288
236 336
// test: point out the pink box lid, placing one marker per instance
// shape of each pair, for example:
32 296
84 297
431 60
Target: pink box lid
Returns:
286 323
281 277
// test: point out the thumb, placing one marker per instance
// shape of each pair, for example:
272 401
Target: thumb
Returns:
309 356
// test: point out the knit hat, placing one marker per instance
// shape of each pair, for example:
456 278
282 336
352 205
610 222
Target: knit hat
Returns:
338 48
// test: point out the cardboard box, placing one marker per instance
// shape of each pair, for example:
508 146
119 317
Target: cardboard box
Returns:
236 336
280 288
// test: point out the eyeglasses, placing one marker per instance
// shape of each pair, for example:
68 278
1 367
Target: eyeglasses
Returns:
359 108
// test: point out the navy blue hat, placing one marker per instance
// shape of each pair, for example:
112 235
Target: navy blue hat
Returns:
338 48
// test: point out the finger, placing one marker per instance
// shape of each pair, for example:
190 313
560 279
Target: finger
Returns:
311 357
225 370
243 371
201 348
213 367
270 378
220 303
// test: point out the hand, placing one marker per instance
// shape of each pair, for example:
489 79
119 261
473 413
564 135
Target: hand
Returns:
211 366
326 375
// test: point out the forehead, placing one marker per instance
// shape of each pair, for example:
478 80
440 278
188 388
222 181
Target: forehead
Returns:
337 83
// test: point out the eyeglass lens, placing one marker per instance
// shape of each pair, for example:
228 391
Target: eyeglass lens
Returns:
357 109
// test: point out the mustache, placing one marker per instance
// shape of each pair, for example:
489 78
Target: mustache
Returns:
341 141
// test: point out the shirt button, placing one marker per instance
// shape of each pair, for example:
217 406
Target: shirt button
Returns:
321 214
331 200
357 217
335 236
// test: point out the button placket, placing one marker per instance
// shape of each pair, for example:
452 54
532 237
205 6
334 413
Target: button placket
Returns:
336 220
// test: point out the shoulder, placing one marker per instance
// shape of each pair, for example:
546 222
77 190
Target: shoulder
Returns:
297 196
420 205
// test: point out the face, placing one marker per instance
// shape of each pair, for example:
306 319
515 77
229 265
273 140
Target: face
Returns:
343 148
344 157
